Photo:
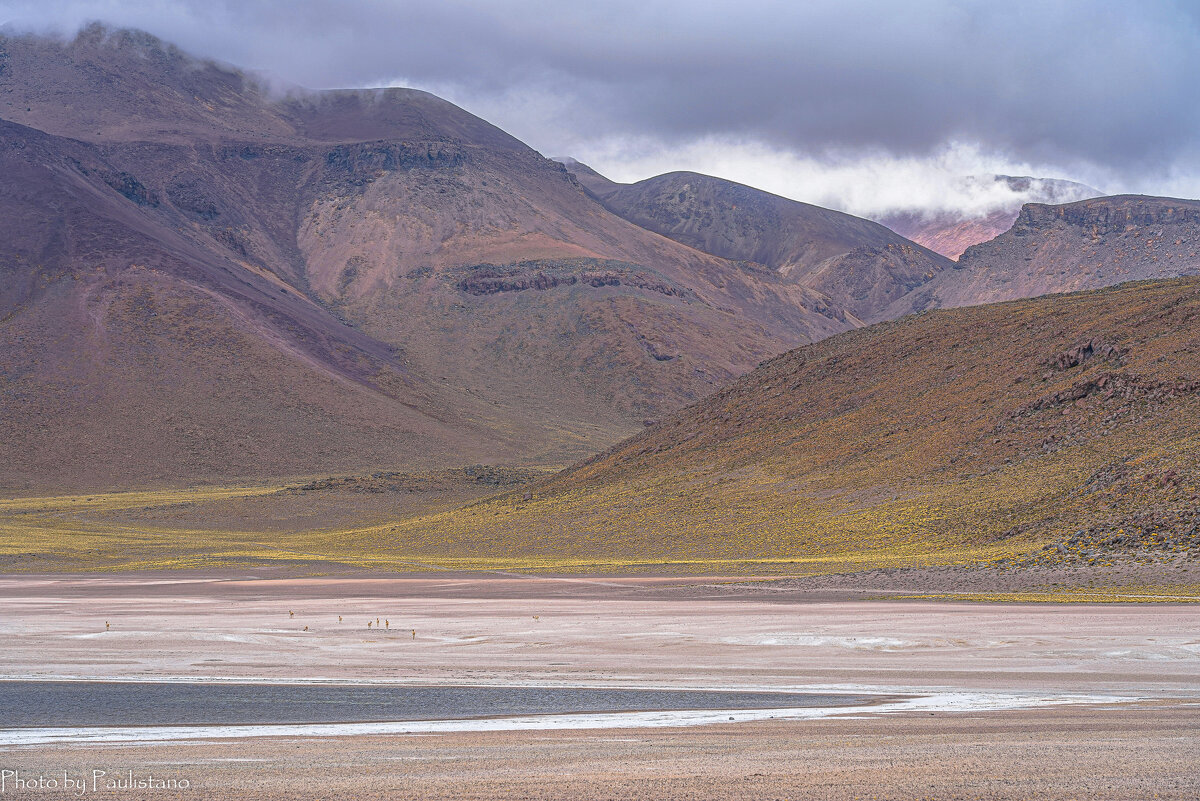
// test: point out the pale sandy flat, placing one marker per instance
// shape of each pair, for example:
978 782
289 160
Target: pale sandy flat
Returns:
1124 681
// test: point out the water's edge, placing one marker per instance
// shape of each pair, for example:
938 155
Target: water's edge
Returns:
793 704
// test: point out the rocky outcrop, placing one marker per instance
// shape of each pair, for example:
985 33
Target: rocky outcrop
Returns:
1107 215
491 282
1083 352
131 188
1118 387
489 279
363 162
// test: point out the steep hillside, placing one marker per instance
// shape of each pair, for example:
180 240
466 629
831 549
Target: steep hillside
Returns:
385 241
955 436
1083 245
951 234
861 265
132 353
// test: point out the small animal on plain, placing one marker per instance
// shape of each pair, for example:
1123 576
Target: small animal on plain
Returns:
339 618
387 624
106 624
306 628
368 624
291 613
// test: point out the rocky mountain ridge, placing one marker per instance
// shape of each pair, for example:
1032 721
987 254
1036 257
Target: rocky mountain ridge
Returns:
860 265
202 278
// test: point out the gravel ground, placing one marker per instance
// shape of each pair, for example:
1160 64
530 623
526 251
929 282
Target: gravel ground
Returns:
1141 751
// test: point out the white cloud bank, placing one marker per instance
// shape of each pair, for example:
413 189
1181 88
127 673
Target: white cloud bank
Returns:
954 180
870 106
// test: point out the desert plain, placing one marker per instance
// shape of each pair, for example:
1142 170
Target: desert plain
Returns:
351 448
966 700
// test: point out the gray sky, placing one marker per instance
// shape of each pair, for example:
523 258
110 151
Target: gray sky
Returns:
861 105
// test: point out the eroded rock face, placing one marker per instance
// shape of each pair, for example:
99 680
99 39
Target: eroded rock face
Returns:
490 279
1108 215
492 282
1084 245
361 162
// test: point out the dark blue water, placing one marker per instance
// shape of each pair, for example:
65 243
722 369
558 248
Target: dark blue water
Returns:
69 703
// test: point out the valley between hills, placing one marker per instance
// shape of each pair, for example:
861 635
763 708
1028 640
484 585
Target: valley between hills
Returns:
350 447
1015 462
366 330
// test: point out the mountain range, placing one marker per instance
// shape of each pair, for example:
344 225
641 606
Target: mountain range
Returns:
1047 249
1081 245
859 264
205 278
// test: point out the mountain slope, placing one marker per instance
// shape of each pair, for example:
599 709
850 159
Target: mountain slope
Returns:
132 354
861 265
1083 245
385 241
955 436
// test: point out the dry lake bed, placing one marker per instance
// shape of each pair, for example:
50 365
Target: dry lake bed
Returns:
498 686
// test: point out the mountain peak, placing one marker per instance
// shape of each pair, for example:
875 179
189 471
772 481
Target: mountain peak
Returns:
860 265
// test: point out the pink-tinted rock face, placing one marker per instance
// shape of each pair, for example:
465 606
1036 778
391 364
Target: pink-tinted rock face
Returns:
1088 244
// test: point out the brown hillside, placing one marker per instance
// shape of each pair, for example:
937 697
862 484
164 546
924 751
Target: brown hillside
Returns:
948 437
861 265
132 353
449 283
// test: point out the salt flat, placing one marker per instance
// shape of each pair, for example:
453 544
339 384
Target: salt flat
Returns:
1112 691
462 629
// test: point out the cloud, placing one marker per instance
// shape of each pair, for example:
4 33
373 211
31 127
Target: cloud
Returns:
832 90
956 179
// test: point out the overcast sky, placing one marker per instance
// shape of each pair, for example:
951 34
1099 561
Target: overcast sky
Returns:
860 105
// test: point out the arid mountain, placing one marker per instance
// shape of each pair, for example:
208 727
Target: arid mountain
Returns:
133 351
1084 245
861 265
201 278
951 234
957 436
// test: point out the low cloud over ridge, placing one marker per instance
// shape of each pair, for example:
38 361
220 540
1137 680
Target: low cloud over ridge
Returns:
856 105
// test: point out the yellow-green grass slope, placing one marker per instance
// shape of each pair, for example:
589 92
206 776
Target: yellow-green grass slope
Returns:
298 525
952 437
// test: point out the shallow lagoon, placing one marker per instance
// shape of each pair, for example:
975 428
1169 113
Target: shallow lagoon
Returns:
87 703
